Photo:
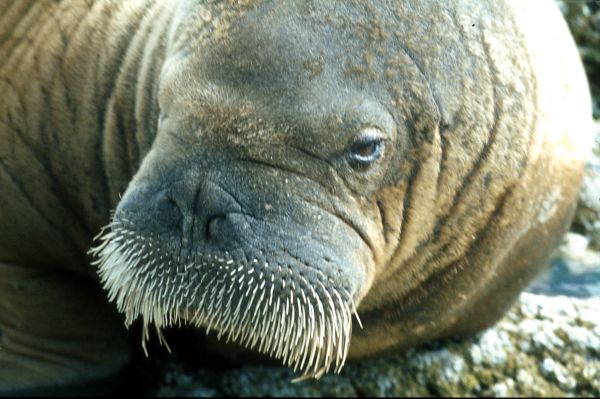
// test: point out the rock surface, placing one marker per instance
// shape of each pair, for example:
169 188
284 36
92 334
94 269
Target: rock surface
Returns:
545 346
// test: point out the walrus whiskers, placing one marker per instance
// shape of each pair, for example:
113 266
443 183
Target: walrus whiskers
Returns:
278 318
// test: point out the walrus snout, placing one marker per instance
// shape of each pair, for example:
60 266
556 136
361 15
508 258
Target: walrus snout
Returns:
206 215
257 265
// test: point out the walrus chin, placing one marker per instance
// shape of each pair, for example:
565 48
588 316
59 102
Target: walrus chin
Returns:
300 318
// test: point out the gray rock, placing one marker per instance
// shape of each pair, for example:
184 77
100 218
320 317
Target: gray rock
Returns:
493 344
576 250
544 346
557 372
503 388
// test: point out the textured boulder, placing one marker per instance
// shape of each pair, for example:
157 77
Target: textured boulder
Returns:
545 346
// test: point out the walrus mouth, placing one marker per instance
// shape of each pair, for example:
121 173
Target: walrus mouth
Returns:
287 308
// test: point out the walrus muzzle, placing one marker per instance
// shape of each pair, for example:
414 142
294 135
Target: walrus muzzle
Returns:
244 260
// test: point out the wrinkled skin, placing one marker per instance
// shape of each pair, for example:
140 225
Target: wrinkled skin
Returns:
275 168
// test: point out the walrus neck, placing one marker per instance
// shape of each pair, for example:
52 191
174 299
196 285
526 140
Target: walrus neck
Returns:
82 74
132 111
130 42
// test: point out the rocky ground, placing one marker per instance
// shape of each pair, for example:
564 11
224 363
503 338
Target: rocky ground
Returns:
547 345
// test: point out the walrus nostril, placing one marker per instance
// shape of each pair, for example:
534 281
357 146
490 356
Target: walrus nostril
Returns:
212 225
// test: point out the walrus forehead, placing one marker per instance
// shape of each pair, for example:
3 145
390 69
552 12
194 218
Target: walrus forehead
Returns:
325 50
271 54
298 72
213 87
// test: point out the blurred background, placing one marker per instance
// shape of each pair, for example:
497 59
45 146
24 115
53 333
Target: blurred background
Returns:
583 17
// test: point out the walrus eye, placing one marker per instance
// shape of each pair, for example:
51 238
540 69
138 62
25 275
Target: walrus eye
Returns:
366 148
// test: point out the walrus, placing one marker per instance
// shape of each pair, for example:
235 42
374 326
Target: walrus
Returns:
312 180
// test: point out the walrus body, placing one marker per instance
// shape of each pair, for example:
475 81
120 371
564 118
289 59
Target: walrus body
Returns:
277 168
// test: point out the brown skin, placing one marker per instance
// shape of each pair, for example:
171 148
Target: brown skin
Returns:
197 115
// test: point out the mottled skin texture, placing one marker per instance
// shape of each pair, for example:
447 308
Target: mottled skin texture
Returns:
197 113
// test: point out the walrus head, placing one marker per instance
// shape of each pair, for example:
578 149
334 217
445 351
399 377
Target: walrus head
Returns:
273 188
